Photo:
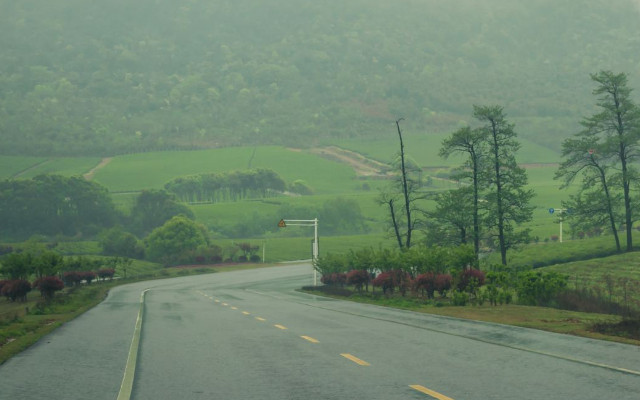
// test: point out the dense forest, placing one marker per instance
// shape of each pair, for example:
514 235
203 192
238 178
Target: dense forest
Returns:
108 77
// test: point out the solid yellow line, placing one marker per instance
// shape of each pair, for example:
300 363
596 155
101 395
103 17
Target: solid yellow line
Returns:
310 339
430 392
246 313
280 327
260 319
355 359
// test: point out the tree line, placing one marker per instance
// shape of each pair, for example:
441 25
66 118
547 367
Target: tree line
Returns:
193 76
227 186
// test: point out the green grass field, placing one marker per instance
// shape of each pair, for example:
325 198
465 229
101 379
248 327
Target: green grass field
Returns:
424 148
152 170
28 167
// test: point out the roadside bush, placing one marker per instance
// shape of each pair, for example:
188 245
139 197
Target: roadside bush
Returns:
48 285
334 279
87 276
72 278
443 283
358 278
425 283
385 281
105 273
536 288
255 258
459 298
16 290
470 280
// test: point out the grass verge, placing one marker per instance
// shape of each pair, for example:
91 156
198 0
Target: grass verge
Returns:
542 318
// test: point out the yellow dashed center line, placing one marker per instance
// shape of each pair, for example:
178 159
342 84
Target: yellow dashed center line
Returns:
260 319
225 304
246 313
217 301
310 339
430 392
280 327
234 308
355 359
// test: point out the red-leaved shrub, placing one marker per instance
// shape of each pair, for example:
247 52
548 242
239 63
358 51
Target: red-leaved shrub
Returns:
16 290
105 273
335 279
443 284
425 283
386 281
358 278
466 278
48 285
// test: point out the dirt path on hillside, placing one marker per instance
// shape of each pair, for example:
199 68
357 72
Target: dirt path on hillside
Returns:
89 175
363 166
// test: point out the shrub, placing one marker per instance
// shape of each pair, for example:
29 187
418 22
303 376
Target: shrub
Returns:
255 258
425 283
443 283
105 273
71 278
334 279
538 288
358 278
385 281
16 290
459 298
48 285
470 280
554 238
88 276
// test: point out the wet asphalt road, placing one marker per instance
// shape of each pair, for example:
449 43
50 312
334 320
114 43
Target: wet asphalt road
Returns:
249 335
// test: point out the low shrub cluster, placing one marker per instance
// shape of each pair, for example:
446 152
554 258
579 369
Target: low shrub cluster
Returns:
445 274
15 290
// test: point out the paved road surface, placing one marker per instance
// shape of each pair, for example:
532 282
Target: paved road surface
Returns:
249 335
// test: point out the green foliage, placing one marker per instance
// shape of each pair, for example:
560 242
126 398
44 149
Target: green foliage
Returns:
173 239
53 204
117 242
536 288
234 186
153 208
300 187
326 69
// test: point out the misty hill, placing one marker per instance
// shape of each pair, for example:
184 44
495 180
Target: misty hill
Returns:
107 77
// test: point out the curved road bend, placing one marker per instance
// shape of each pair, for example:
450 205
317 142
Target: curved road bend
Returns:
249 335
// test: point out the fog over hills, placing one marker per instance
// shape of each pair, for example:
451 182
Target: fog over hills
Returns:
107 77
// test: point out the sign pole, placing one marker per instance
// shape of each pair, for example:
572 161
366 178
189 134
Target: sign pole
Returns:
314 249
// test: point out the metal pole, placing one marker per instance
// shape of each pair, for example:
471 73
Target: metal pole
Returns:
315 251
560 229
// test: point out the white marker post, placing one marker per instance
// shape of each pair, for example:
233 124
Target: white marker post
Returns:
314 250
559 211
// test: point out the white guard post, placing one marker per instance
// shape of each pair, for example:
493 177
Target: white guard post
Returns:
306 222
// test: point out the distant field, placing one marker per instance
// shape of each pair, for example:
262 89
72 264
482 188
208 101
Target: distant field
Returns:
28 167
424 150
152 170
329 179
12 165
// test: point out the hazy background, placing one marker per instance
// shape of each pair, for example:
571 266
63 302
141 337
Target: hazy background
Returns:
98 78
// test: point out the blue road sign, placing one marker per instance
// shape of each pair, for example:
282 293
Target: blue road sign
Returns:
551 210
